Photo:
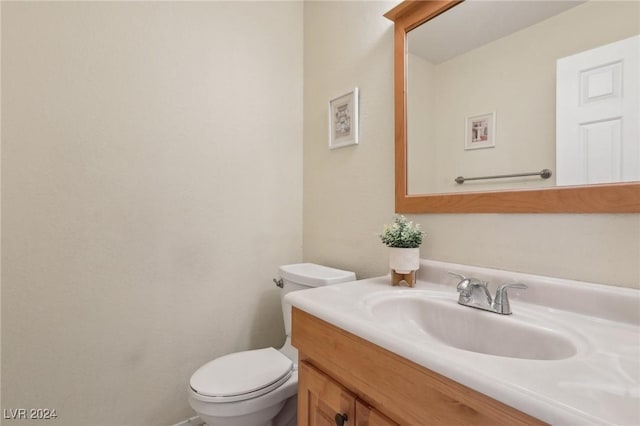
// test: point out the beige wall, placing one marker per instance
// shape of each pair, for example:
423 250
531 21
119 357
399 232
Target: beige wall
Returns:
515 78
422 156
349 192
152 167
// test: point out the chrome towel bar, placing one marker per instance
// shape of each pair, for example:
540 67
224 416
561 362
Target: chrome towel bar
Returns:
544 174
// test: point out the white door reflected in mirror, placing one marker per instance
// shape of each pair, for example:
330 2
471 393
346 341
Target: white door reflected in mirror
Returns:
598 139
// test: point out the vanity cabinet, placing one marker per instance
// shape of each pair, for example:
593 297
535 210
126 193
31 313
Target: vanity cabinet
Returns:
341 373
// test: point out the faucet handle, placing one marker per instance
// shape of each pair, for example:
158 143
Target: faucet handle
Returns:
464 285
465 282
467 286
457 275
503 287
501 302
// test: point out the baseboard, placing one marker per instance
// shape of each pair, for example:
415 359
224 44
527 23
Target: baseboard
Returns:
193 421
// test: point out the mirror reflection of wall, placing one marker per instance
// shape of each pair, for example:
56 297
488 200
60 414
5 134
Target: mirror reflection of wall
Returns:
512 76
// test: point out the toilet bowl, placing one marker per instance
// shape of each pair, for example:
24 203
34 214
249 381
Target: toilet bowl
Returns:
259 387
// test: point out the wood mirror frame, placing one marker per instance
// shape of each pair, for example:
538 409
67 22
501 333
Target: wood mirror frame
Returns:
603 198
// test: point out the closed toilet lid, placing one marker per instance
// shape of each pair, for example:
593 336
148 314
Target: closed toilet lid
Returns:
242 375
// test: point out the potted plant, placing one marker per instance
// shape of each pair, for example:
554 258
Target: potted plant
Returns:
403 238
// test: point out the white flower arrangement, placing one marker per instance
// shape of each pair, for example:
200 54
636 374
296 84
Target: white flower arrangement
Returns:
402 233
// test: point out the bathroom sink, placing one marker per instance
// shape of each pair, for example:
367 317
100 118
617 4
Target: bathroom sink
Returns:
569 353
443 319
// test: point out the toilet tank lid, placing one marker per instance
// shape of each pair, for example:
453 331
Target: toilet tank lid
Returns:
313 275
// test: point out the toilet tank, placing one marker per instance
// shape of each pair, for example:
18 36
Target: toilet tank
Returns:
301 276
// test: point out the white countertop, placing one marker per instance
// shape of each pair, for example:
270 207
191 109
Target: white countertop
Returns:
600 384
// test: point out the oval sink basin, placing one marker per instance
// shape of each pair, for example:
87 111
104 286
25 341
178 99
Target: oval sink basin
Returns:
471 329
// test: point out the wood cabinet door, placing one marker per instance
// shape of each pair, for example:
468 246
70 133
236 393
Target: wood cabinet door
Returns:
366 416
320 399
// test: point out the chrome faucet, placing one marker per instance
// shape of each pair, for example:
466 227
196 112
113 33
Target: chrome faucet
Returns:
475 293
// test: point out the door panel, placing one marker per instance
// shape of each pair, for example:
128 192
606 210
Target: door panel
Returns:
320 399
366 416
597 116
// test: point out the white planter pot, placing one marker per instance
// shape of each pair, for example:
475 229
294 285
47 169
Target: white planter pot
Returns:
404 260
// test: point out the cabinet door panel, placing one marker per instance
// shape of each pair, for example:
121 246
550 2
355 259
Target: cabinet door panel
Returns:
320 399
366 416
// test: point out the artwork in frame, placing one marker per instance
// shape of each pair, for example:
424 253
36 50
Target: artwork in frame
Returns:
480 131
343 120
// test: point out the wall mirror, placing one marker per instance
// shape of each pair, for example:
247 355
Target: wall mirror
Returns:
476 94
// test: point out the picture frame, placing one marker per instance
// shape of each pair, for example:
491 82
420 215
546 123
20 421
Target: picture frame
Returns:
343 120
480 131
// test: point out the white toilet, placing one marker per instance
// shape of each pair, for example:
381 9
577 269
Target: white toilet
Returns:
259 387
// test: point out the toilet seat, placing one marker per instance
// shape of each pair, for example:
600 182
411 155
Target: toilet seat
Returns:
242 375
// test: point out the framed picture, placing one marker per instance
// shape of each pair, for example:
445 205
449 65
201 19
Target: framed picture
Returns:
480 131
343 120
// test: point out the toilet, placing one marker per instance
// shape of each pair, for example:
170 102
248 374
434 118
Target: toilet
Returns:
259 387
